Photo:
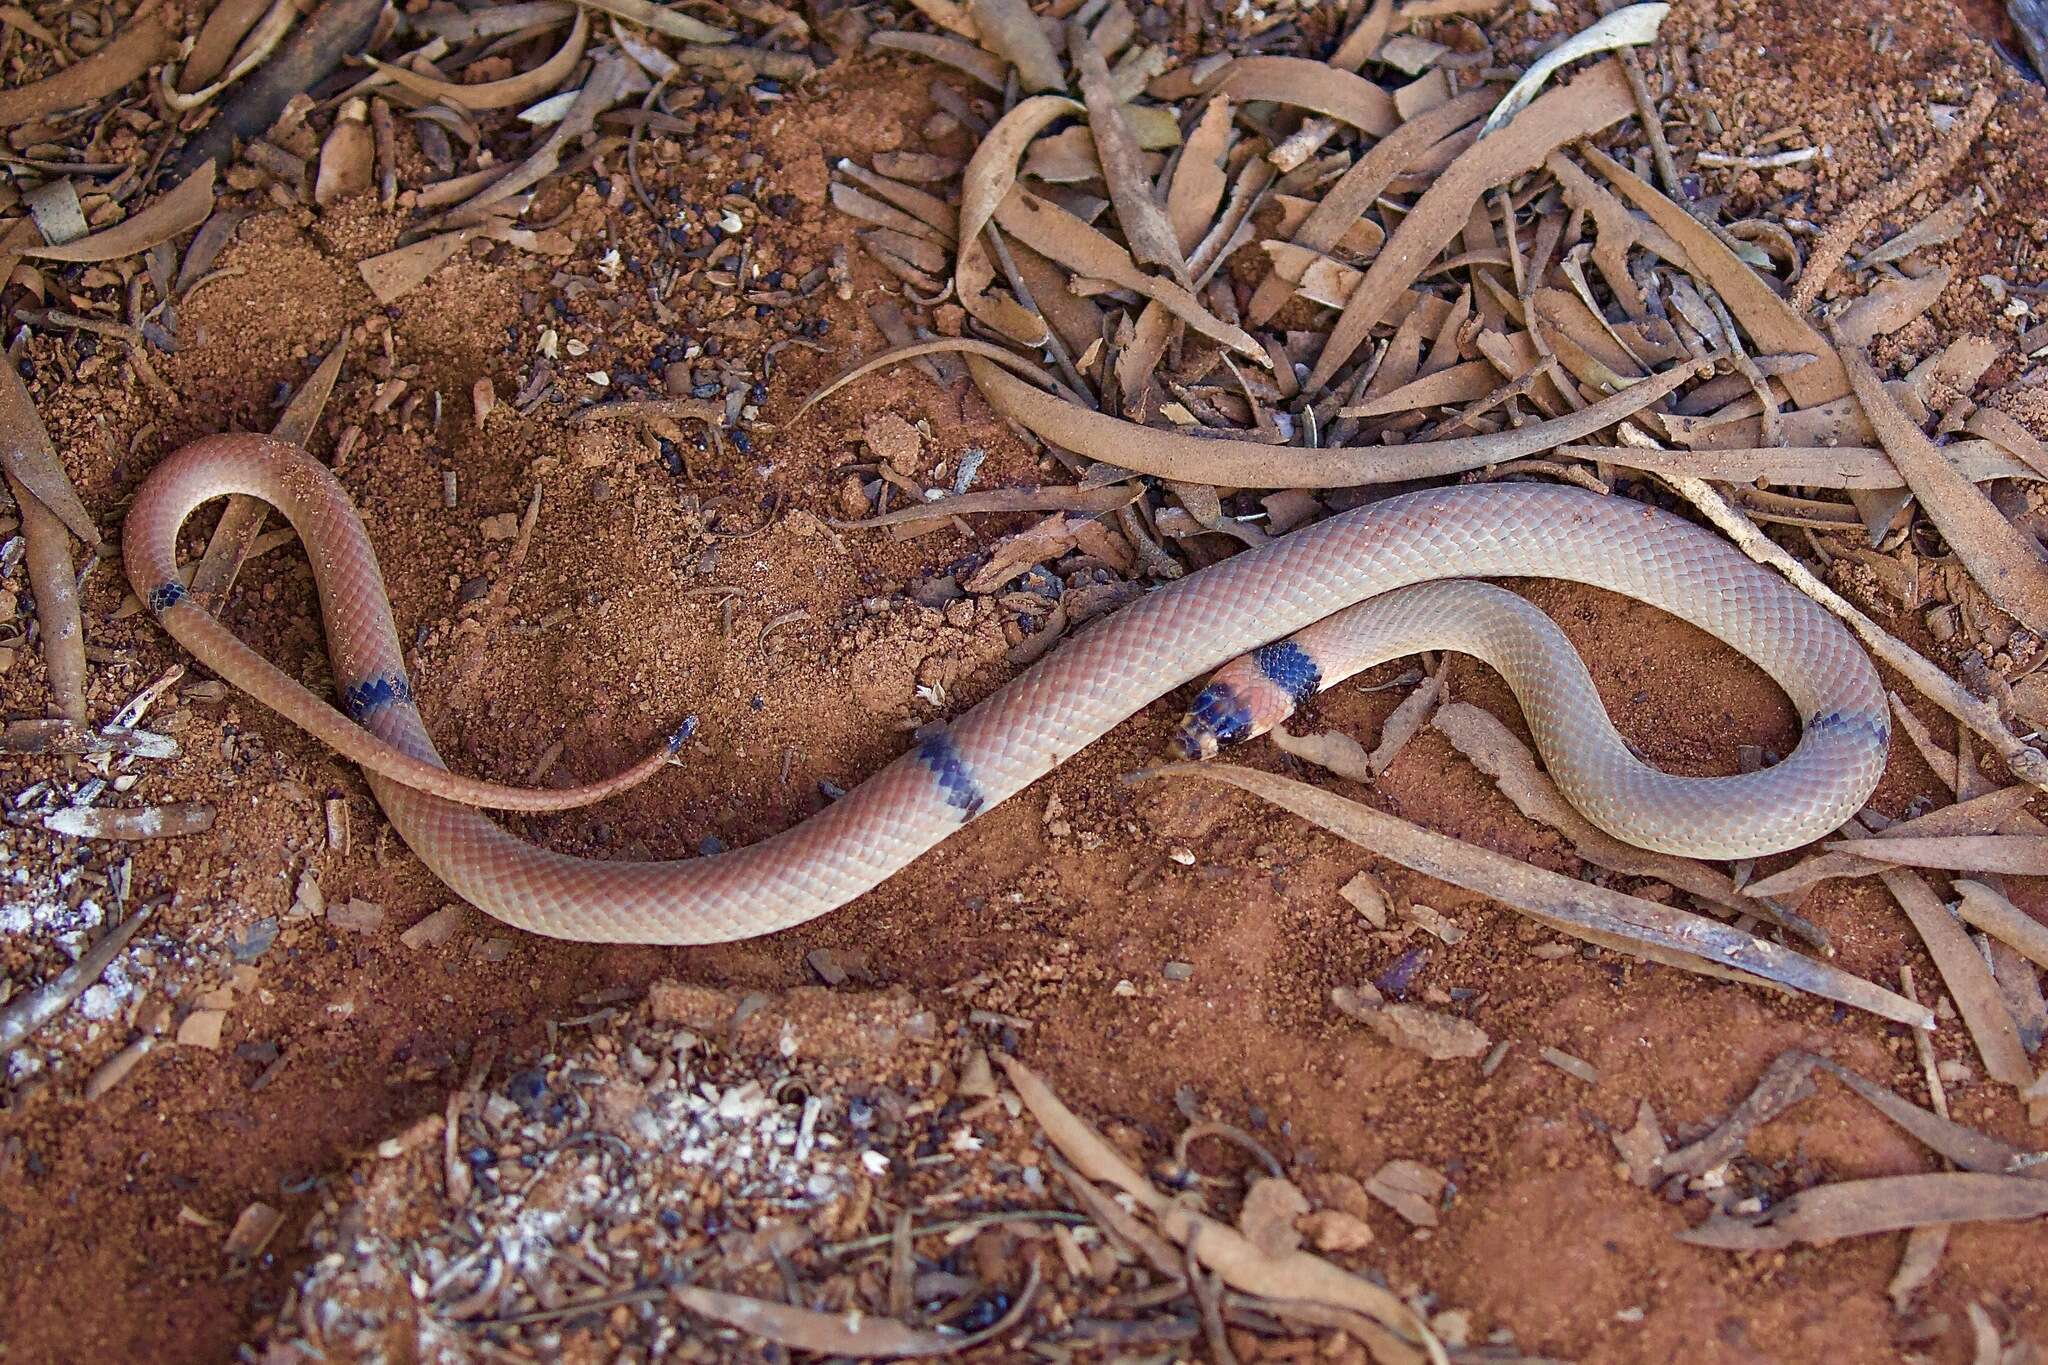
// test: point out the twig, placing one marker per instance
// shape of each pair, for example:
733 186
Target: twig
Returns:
1653 123
2027 764
138 349
32 1009
306 58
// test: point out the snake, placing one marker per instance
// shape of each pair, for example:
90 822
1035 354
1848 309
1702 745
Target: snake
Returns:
1275 623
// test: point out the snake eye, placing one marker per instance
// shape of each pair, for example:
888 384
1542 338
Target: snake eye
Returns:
1218 718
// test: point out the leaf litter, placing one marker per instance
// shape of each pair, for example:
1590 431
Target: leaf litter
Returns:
1675 308
1499 241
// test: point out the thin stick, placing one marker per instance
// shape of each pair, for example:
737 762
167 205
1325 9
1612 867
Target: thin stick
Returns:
1835 244
32 1009
1653 123
234 536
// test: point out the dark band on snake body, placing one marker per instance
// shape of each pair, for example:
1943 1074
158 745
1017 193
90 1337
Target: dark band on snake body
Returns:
165 596
366 698
1878 727
956 783
1288 666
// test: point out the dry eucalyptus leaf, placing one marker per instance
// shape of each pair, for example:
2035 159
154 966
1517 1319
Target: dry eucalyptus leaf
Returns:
185 207
1859 1208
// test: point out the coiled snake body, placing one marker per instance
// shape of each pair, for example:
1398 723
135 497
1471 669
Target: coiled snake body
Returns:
1083 689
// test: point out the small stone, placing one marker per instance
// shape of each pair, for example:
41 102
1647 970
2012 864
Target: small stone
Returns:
1179 971
255 941
894 440
1271 1210
977 1079
852 498
503 526
1368 898
825 963
1335 1230
493 950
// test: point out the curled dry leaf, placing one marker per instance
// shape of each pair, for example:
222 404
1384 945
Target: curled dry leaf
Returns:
254 50
664 19
1495 750
1223 1249
1987 908
990 174
1246 464
1887 308
1859 1208
1013 32
1787 1081
184 208
227 24
2016 854
1593 101
1084 501
1834 246
1945 224
524 88
1855 467
1629 26
1772 324
859 1335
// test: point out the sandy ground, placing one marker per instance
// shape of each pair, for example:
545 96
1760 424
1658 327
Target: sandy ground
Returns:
1063 908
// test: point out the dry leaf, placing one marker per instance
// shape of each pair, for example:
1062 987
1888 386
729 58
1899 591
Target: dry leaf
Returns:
1859 1208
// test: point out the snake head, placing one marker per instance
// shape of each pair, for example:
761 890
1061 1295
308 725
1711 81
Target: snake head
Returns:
1218 718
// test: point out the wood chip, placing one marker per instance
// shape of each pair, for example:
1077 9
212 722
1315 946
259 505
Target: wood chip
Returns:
167 821
1439 1036
1410 1189
1570 1065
